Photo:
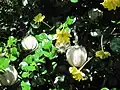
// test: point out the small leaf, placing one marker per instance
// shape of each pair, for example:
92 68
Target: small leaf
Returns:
25 74
46 54
12 58
25 85
70 20
115 44
46 45
41 37
28 68
42 60
11 41
44 72
4 62
74 1
28 59
104 88
14 51
38 53
31 68
118 22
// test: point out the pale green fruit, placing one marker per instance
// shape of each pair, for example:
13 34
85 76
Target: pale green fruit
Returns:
29 43
76 55
9 77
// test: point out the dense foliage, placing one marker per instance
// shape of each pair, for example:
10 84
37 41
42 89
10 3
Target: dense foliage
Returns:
59 44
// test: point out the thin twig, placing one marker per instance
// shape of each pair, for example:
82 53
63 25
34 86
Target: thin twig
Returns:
102 42
85 63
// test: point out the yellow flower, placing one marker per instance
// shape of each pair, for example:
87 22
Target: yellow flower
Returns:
111 4
38 18
102 54
63 37
77 75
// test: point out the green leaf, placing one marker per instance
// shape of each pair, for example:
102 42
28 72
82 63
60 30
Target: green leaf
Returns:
28 68
12 58
70 20
14 51
25 85
46 54
118 22
50 55
42 60
31 68
115 44
38 53
35 25
104 88
28 59
25 74
41 37
25 67
46 45
11 41
74 1
44 72
4 62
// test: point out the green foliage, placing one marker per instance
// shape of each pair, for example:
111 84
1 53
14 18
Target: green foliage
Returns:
41 37
70 20
44 67
25 74
115 44
4 62
105 88
74 1
11 41
25 85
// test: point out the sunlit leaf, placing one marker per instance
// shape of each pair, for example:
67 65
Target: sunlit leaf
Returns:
12 58
74 1
25 74
25 85
41 37
11 41
70 20
14 51
46 45
4 62
28 59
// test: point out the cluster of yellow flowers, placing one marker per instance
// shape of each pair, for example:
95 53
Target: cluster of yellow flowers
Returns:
102 54
63 37
38 18
76 74
111 4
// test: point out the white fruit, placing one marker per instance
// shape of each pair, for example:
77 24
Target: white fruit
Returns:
9 77
29 43
76 55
